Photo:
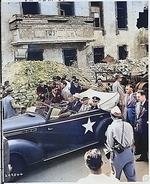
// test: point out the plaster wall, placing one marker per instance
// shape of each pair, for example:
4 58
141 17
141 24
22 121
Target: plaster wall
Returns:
82 8
49 8
109 41
7 10
54 52
128 37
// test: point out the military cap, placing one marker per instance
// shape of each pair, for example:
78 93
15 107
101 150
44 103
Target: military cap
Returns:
96 98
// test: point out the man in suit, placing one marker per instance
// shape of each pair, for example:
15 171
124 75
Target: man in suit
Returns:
130 101
141 130
75 105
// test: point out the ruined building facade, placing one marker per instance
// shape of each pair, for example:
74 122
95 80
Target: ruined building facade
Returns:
80 31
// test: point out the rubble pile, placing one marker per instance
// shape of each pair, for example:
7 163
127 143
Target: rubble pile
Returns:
126 67
25 76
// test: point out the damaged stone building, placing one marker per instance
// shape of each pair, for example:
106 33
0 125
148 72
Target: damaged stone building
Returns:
74 31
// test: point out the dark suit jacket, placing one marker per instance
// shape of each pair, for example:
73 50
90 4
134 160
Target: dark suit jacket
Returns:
144 117
74 106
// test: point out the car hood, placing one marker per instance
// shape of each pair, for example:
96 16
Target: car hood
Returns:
22 121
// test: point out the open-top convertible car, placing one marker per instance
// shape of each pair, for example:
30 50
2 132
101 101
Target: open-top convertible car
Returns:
42 134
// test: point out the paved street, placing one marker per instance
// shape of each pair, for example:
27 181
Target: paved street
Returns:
70 168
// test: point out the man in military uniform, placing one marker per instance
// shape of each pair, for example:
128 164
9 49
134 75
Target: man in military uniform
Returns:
96 100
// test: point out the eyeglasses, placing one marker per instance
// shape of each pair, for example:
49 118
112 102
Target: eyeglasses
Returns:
95 101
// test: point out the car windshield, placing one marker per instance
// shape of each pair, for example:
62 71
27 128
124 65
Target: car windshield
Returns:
40 108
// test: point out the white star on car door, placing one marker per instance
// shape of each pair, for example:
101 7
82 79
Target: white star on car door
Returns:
88 126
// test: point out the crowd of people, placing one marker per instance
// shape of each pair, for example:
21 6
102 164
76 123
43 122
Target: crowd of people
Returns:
134 109
129 126
67 94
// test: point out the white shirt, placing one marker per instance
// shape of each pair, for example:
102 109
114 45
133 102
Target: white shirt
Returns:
98 178
116 87
66 93
84 108
115 131
68 85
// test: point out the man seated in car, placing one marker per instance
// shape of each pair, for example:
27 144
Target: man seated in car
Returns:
64 112
96 100
75 105
85 104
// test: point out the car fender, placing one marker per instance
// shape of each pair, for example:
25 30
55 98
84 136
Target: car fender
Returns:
101 129
29 151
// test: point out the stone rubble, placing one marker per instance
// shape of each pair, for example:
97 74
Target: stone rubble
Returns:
25 76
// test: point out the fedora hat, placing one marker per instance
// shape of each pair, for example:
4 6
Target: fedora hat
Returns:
77 95
8 89
119 76
116 111
63 104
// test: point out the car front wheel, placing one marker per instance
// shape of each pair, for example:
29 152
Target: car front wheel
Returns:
18 164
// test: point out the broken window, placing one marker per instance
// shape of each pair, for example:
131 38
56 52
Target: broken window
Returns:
142 21
98 54
97 13
70 55
67 8
35 53
30 8
122 14
123 52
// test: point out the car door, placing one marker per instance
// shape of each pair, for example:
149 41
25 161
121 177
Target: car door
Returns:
63 135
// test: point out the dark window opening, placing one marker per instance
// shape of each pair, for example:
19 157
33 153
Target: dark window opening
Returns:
98 55
97 12
147 48
96 4
142 21
122 14
30 8
35 53
123 52
96 20
70 56
67 8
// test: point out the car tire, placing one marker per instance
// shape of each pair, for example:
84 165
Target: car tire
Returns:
18 164
102 129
